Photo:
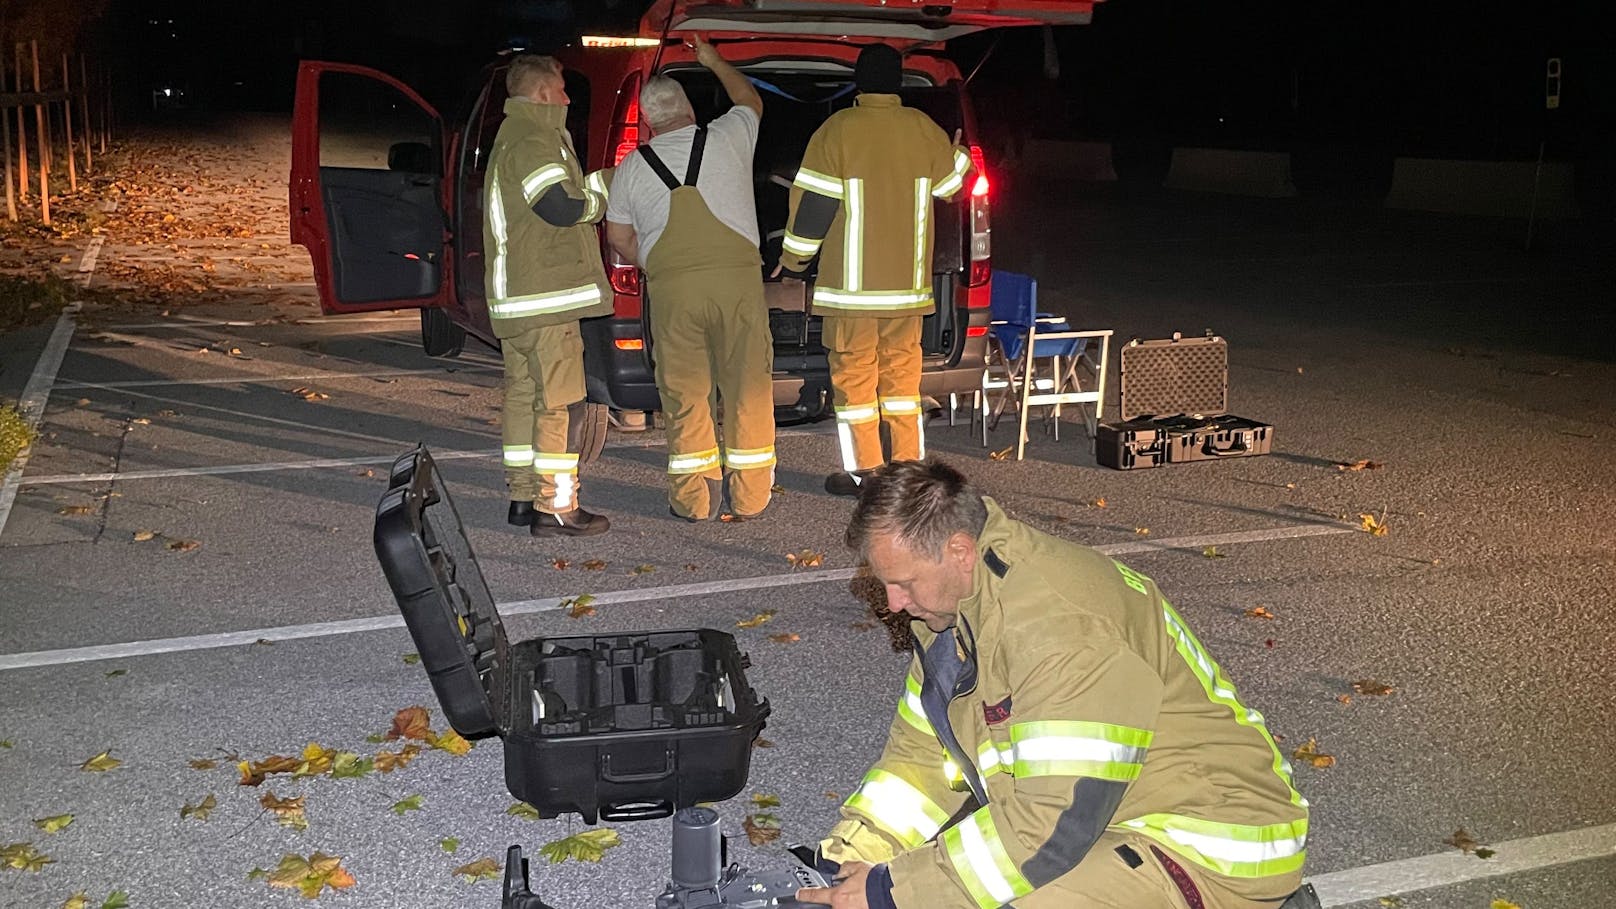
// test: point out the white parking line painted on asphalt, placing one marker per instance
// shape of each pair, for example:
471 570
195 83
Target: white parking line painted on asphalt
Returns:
35 395
549 604
316 463
248 379
1444 869
388 324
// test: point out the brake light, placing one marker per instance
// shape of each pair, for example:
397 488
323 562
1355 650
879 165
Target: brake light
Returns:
981 269
630 343
976 331
628 133
625 278
625 132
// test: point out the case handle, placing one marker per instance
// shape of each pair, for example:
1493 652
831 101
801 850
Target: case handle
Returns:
1238 447
636 811
651 776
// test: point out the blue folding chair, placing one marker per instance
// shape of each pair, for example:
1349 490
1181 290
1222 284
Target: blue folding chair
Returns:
1020 338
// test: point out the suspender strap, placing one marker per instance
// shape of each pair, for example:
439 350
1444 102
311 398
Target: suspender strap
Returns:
657 165
697 146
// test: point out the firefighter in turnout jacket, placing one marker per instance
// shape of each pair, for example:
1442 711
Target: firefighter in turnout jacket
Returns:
862 202
1063 740
682 206
542 274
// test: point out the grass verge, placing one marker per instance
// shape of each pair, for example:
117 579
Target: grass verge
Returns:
31 300
15 435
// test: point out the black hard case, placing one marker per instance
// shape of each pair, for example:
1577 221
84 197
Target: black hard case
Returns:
628 726
1173 396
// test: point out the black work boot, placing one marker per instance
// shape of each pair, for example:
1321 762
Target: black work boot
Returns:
521 514
575 523
846 484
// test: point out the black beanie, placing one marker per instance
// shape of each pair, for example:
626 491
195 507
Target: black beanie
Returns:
879 70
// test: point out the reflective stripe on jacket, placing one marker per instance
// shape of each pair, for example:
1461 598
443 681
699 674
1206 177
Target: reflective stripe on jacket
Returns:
1083 702
536 273
880 165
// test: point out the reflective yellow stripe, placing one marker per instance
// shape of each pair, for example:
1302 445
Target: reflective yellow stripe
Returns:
554 301
597 182
566 496
922 229
696 462
857 413
555 462
747 458
978 856
912 710
816 182
991 758
893 804
593 203
518 455
494 203
1073 748
540 180
1236 850
900 405
951 185
853 237
866 300
792 243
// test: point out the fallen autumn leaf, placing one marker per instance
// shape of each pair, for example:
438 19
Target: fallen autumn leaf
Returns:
587 846
484 869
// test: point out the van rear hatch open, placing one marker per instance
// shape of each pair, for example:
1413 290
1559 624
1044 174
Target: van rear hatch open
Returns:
917 20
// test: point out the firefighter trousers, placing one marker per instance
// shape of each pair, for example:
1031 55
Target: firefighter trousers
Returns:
544 381
711 330
875 374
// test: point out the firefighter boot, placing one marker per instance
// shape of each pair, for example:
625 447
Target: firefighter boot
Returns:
521 514
575 523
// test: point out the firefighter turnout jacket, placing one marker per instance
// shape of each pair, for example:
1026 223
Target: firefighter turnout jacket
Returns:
537 273
863 198
1070 700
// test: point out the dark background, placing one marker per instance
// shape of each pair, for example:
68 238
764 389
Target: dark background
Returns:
1344 87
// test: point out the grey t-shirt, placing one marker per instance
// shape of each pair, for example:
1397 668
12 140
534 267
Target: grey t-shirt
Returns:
639 197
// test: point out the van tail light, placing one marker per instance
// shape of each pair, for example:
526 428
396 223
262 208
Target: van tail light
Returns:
629 343
981 252
623 139
625 276
625 134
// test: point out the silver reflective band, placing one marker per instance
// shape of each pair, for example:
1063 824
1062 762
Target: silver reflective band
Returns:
518 455
856 414
819 183
693 462
566 491
922 228
546 302
555 465
980 855
900 406
873 299
1073 748
748 460
597 182
853 238
795 244
495 204
540 180
962 163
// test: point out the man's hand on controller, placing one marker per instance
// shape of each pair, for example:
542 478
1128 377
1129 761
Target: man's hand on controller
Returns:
848 893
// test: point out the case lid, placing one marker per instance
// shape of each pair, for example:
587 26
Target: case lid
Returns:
1177 375
423 550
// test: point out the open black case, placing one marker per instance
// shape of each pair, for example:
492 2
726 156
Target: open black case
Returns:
629 726
1173 396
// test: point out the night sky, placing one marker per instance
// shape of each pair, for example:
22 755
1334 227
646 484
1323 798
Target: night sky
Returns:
1353 82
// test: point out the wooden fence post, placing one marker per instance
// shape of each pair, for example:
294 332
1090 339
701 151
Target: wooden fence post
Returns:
44 141
67 124
84 110
5 123
22 131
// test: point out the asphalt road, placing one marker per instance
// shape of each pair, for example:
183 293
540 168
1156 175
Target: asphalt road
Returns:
1477 375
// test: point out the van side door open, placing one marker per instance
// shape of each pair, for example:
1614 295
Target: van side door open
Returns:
366 194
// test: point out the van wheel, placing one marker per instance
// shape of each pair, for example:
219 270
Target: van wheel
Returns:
588 433
440 336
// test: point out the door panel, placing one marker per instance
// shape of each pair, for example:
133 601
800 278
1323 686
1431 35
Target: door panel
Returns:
366 190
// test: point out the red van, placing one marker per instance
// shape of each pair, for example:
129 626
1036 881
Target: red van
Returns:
386 193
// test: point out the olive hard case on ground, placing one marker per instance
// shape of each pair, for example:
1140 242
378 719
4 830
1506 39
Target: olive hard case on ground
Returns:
628 726
1173 398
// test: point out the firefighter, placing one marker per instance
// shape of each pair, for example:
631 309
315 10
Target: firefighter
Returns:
542 274
1088 749
864 195
683 208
